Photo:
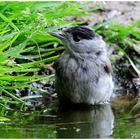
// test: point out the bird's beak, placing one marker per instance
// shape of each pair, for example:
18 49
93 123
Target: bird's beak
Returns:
59 34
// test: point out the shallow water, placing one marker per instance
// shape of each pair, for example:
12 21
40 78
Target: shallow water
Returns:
104 121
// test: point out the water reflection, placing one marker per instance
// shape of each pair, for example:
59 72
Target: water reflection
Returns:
95 122
83 122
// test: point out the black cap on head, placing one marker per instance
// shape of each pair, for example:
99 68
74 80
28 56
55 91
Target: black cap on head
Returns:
81 32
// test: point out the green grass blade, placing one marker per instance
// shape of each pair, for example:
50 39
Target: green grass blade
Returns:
131 62
8 21
9 43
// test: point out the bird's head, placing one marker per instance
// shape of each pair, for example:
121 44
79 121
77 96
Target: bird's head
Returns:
81 39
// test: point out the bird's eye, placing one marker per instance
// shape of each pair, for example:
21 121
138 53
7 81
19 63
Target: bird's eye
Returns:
76 38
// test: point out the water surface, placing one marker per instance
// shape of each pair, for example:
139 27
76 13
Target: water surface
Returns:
104 121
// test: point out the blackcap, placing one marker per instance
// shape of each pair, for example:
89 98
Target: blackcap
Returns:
83 71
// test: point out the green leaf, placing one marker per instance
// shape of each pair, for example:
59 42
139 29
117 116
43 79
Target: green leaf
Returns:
8 21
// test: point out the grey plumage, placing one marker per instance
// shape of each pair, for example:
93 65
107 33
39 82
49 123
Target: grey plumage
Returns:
83 71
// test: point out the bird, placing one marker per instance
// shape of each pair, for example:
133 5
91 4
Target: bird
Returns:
83 72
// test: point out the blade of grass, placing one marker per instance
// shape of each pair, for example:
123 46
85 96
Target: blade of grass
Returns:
8 21
131 62
3 32
15 98
35 63
9 43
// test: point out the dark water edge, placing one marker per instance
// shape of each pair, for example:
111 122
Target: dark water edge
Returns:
105 121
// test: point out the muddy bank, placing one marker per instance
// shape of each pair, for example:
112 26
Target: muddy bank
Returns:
116 12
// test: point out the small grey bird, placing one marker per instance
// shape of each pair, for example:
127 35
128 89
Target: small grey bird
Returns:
83 71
